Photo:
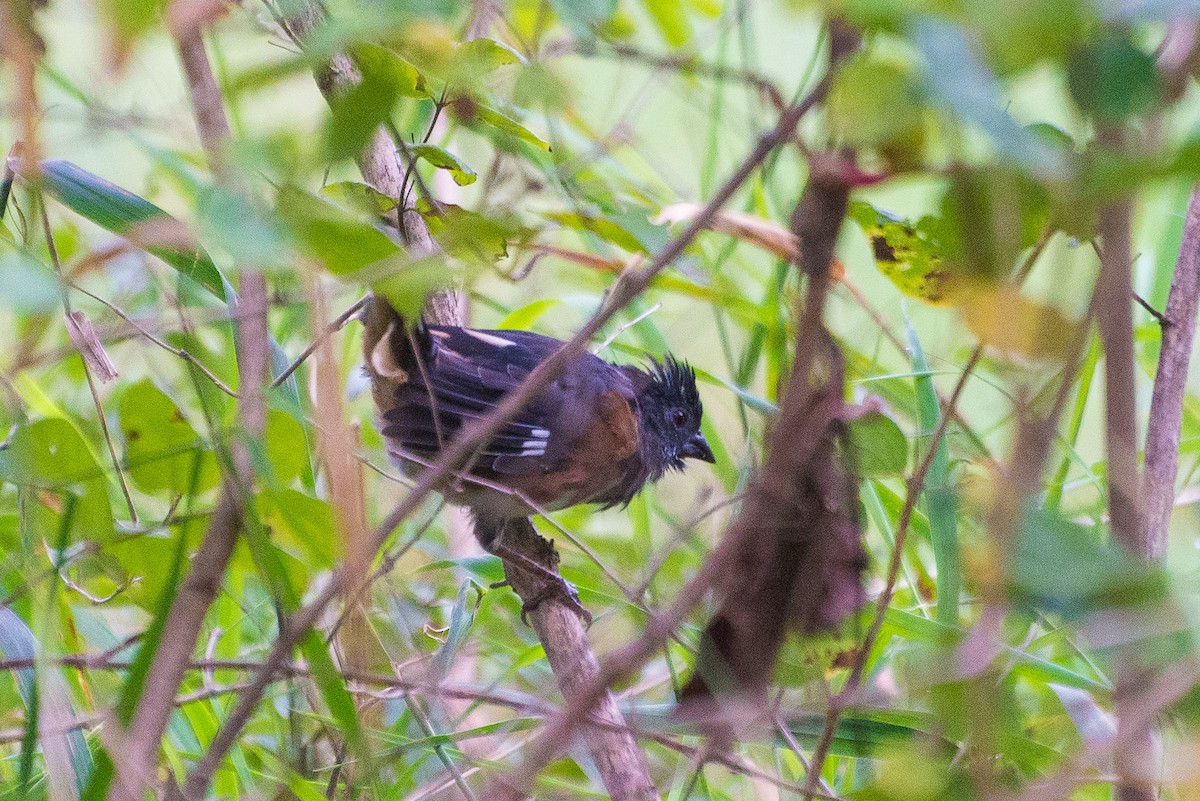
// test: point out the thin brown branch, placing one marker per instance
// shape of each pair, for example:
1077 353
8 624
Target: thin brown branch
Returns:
87 369
691 65
1114 315
620 762
378 162
1170 387
198 591
180 352
327 332
1114 312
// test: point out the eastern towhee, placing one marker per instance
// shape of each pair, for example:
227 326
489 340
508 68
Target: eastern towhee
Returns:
596 434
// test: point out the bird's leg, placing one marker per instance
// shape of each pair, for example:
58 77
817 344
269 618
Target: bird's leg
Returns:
557 587
530 563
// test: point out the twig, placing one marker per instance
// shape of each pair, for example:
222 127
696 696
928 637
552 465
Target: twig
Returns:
332 328
690 65
200 588
87 369
1158 316
1170 387
187 356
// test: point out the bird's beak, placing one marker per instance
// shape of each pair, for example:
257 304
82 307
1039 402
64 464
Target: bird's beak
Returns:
697 448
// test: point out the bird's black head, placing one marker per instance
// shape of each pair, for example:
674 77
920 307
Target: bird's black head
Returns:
669 407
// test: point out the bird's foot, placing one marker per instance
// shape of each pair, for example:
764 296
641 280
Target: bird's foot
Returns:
557 588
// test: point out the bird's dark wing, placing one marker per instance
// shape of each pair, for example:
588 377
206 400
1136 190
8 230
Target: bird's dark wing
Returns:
456 375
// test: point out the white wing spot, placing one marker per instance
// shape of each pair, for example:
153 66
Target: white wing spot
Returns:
540 433
491 339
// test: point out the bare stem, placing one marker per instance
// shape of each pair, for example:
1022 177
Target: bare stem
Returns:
1170 386
186 617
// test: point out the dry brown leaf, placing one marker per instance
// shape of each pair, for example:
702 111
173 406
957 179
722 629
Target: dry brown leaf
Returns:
764 234
84 337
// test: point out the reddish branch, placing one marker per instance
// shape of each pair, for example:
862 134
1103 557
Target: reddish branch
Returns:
1114 312
1114 289
1170 387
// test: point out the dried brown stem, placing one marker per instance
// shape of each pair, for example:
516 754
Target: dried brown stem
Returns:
186 617
180 352
1114 288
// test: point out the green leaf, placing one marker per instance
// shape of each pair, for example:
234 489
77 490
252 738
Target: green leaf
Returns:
1020 34
584 17
938 498
122 213
880 447
445 160
287 446
333 690
359 198
386 77
478 57
875 102
910 255
26 285
670 16
472 113
51 454
129 20
1066 568
602 227
386 66
966 86
469 235
461 617
302 526
804 659
524 317
343 243
163 451
1111 79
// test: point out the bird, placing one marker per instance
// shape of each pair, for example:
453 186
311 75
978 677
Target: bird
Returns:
597 434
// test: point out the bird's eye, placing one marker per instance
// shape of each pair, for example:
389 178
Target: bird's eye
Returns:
678 418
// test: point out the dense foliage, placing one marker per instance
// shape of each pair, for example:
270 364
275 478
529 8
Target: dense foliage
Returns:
995 151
